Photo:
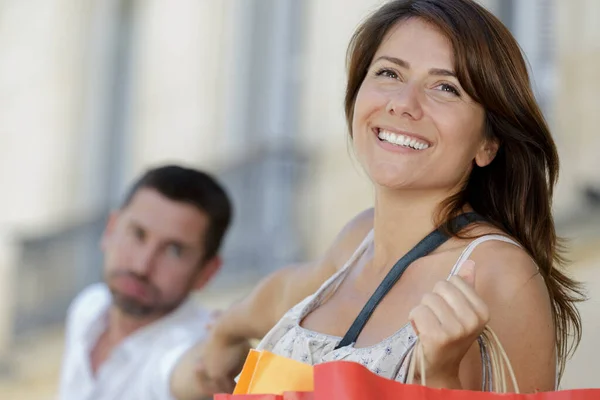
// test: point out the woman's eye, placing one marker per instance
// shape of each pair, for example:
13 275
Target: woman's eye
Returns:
446 87
388 73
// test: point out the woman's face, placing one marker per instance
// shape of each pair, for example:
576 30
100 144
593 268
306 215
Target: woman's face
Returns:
414 127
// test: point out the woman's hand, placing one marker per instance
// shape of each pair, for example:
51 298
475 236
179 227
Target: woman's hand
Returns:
209 367
220 361
448 321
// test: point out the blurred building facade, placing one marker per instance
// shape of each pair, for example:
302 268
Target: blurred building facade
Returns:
92 92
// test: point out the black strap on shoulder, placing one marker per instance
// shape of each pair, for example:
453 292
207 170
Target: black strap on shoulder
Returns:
424 247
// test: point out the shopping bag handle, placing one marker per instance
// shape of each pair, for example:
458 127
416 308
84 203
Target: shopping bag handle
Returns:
499 360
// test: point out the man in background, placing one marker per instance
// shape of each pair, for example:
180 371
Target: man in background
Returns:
125 336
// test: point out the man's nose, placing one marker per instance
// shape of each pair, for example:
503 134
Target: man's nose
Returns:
144 260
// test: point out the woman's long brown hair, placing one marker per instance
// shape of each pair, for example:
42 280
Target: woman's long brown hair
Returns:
515 191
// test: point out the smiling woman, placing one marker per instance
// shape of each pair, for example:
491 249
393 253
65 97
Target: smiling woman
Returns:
443 120
414 98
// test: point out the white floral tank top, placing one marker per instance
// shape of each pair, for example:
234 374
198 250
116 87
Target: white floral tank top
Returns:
386 358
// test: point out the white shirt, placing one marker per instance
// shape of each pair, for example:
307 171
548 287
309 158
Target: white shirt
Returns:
140 367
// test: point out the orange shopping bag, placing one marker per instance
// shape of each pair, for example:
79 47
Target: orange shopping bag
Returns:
284 396
268 373
342 380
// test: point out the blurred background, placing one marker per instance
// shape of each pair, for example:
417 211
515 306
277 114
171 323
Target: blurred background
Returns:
92 92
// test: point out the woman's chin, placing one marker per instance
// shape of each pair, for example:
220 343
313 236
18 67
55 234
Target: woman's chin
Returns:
393 184
390 178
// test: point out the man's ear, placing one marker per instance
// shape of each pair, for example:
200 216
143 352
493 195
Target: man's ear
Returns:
487 152
208 271
109 229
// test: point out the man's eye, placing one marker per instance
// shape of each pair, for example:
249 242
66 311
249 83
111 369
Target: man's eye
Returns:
175 250
139 234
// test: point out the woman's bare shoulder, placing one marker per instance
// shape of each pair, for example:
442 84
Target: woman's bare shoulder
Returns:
506 261
508 280
349 238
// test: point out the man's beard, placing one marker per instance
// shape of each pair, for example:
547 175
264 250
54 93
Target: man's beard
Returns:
152 306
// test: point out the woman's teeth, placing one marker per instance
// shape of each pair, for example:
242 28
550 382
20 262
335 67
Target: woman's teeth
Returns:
401 140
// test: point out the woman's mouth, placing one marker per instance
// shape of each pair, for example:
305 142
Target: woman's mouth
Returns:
401 140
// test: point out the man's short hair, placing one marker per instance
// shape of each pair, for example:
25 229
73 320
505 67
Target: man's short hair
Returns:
194 187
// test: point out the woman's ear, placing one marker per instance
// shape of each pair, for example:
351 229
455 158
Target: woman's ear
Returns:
487 152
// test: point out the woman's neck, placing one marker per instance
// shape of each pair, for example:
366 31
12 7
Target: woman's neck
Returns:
401 220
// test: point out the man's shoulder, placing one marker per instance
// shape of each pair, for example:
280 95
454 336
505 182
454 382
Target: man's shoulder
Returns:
89 302
190 319
94 294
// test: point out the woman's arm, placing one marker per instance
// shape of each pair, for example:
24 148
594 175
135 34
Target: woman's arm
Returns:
520 313
255 315
221 355
499 287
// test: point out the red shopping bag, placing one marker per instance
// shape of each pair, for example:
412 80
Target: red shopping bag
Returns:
351 381
284 396
342 380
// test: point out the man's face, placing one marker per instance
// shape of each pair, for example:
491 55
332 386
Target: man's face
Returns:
153 254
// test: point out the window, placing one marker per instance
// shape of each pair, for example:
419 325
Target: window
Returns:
532 24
